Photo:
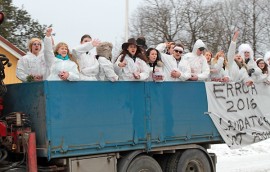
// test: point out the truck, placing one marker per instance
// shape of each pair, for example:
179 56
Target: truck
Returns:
100 126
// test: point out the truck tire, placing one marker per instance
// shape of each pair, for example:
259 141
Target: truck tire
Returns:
163 160
144 163
193 160
172 162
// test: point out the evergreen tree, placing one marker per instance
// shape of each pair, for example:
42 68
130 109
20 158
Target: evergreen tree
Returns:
18 26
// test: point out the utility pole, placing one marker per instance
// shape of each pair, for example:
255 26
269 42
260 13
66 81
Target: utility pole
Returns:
126 21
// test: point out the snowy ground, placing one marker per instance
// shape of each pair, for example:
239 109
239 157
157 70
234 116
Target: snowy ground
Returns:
253 158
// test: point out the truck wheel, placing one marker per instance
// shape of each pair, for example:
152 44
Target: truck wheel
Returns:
163 160
193 160
172 162
144 163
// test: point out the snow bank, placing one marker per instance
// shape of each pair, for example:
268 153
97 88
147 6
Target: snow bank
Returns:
252 158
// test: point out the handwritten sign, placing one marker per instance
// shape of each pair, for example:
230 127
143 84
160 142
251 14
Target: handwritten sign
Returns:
240 113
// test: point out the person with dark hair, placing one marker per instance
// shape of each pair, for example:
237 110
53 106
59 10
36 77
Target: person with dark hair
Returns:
155 64
131 63
262 65
61 67
88 64
175 67
265 75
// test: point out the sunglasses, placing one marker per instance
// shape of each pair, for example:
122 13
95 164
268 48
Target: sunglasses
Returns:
36 44
178 51
201 48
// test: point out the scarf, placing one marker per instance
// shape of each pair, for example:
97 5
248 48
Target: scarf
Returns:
62 58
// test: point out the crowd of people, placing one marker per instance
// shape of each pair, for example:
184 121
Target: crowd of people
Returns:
137 62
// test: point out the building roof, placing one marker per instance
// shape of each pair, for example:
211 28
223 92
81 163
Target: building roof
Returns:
11 48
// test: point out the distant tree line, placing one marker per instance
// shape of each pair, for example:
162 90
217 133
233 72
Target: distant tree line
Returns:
212 21
18 26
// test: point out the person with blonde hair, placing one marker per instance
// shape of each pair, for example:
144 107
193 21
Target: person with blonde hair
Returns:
219 68
32 67
58 62
236 64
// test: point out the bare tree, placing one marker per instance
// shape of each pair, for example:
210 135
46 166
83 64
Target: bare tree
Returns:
158 21
212 21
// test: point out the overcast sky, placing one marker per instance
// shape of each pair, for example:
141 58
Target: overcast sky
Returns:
102 19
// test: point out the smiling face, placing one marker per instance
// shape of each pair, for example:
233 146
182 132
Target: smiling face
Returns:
247 54
132 48
62 49
208 56
261 64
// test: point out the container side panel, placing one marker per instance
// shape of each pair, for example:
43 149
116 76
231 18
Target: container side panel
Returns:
178 113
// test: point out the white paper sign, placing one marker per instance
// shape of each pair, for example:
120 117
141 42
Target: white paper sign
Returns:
240 113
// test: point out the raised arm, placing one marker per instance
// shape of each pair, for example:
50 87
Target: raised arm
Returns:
48 48
232 48
85 47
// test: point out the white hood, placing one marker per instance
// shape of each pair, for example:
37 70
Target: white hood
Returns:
243 48
198 44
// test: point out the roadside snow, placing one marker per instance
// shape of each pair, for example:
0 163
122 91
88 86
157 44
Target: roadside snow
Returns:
252 158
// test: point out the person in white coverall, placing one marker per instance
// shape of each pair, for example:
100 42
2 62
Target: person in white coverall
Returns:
199 67
236 64
131 64
247 54
219 68
88 64
58 61
175 67
32 66
155 65
104 55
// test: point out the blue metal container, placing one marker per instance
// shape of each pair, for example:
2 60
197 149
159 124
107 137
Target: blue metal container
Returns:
84 118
